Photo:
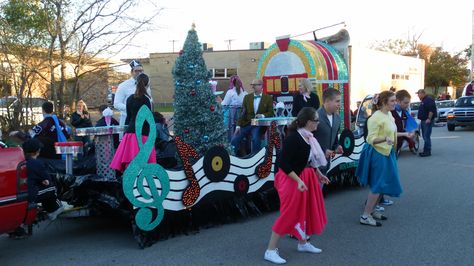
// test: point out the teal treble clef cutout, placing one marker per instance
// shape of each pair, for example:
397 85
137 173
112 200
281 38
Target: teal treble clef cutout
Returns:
140 173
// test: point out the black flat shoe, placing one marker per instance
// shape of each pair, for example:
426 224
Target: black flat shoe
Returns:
425 154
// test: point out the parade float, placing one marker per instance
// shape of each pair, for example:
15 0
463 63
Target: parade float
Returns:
209 185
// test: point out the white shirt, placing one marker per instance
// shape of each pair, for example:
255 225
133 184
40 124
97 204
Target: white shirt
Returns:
233 99
330 119
124 90
256 103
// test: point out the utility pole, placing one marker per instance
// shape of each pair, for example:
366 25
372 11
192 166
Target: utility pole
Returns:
173 41
229 44
472 48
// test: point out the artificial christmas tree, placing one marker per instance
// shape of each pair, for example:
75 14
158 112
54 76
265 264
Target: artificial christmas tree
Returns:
197 120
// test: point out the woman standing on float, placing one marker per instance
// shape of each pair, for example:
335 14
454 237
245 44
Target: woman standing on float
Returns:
378 161
128 147
298 183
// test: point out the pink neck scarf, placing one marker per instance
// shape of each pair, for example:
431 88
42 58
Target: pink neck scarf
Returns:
317 155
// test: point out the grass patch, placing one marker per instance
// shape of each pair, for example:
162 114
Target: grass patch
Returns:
164 108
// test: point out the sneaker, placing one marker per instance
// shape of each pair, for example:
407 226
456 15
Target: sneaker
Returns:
379 208
386 202
379 216
307 247
273 256
369 221
52 216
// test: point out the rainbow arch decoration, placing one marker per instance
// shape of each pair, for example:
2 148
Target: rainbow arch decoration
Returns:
287 61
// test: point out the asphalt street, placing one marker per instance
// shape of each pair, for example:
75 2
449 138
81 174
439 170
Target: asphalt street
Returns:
431 224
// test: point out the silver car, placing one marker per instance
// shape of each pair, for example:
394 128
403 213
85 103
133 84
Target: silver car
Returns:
443 108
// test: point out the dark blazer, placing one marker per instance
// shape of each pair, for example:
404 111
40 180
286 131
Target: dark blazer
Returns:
78 122
325 134
400 120
299 103
295 154
248 113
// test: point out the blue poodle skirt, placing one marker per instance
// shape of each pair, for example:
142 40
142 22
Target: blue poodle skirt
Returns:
379 172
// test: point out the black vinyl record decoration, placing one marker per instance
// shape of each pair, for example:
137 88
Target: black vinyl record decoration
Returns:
216 163
241 185
346 140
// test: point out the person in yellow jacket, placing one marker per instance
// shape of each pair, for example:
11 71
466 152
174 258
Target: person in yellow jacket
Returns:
378 162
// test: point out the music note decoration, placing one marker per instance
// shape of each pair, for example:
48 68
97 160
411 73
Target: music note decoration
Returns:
263 170
192 191
143 176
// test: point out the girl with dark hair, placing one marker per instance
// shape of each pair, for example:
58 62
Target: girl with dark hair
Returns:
298 183
378 163
128 147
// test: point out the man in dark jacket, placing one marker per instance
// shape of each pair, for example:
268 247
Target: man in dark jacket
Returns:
426 113
47 131
329 124
400 115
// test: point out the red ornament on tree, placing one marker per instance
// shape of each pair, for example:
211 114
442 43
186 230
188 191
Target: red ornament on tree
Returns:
186 131
213 108
193 92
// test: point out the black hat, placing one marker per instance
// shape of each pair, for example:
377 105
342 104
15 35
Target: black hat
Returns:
32 146
135 63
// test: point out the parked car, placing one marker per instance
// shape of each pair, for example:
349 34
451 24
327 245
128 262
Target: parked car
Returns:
443 108
462 114
31 108
365 111
414 106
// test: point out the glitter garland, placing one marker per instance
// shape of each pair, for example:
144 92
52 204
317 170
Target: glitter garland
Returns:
264 169
192 191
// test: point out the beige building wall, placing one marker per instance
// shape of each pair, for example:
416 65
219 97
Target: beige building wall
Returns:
160 65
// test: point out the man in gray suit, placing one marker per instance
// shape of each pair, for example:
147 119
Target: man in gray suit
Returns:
329 124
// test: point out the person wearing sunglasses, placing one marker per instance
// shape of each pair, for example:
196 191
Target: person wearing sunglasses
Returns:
298 181
255 105
127 88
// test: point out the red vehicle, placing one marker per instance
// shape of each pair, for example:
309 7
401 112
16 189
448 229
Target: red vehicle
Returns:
15 211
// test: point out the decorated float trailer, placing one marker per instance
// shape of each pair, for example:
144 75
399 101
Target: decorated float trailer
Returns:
218 185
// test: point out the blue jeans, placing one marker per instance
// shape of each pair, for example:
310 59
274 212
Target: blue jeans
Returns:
245 131
426 134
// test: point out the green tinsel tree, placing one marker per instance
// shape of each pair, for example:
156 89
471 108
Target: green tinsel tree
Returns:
197 119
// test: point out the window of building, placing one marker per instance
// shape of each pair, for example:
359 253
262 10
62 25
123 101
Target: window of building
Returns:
219 73
231 72
223 72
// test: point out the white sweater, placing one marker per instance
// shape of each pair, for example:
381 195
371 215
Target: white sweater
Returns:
124 90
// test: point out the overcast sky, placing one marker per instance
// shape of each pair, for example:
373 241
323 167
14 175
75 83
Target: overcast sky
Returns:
448 24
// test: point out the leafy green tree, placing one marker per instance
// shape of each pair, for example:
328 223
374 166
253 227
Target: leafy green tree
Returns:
197 118
444 69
